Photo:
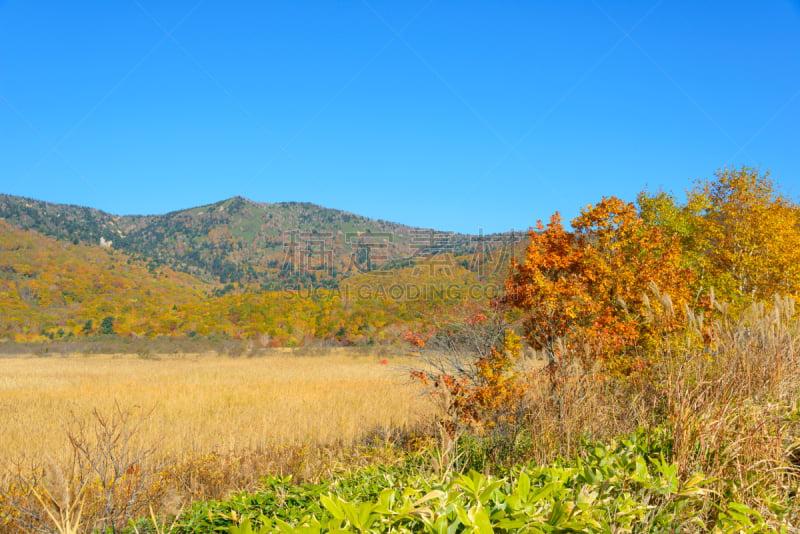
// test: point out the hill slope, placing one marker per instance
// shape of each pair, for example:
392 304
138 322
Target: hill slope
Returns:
57 290
360 280
238 240
48 285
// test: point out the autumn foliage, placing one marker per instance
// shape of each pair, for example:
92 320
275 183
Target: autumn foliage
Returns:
613 291
593 292
471 368
584 292
57 291
739 234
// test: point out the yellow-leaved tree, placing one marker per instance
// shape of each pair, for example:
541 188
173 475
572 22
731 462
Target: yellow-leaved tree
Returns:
739 233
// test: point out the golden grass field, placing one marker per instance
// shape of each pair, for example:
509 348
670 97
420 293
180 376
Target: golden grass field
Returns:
203 402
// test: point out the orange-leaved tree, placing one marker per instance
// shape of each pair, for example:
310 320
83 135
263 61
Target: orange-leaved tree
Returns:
584 293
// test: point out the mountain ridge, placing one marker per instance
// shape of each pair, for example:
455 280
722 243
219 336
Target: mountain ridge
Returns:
240 240
285 203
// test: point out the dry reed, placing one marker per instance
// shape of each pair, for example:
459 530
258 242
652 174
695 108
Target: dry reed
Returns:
210 424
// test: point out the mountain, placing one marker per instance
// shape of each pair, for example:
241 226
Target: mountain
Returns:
71 271
270 246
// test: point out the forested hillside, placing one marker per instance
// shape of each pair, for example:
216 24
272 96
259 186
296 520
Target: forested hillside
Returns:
280 245
57 290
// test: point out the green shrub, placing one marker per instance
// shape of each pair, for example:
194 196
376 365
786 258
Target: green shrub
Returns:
625 486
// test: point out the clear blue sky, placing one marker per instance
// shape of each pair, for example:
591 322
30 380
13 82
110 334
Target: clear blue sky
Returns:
454 115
